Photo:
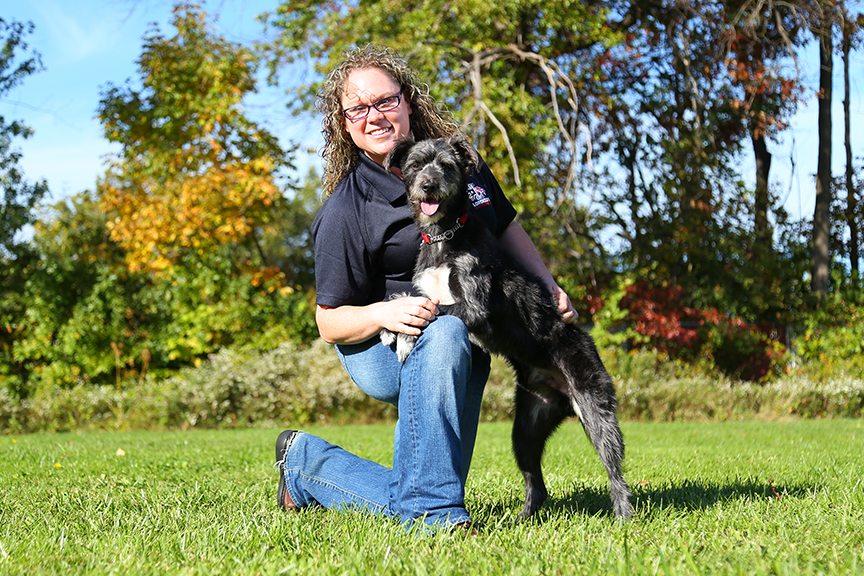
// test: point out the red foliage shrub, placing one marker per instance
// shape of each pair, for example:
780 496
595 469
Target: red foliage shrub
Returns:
666 323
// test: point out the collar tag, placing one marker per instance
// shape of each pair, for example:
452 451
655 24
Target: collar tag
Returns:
448 235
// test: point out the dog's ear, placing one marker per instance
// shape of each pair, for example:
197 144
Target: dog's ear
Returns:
467 155
397 154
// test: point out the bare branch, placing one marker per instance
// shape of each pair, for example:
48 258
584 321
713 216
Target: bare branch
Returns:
476 81
558 80
475 62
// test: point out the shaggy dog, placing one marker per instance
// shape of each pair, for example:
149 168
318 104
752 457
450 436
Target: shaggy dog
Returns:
509 312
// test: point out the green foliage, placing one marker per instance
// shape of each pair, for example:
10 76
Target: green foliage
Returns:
611 328
194 174
287 242
80 317
832 341
18 196
636 315
746 352
73 299
232 387
299 385
651 387
192 195
212 306
658 238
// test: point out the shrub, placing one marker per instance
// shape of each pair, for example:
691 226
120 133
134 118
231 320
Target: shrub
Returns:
289 386
73 312
650 388
636 315
743 351
831 342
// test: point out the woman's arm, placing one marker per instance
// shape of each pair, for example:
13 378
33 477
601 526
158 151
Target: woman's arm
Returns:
354 324
518 244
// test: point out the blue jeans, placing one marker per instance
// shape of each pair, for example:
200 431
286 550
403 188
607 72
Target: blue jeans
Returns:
438 391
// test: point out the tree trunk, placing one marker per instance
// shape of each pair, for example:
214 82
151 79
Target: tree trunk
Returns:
763 169
851 193
821 257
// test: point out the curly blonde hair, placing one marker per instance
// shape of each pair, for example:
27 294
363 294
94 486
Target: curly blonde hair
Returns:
339 151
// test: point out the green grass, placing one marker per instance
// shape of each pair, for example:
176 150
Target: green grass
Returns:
203 502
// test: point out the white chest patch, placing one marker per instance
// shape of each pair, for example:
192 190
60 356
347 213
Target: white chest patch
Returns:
435 284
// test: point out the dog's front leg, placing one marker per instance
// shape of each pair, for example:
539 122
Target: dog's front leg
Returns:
387 337
471 286
404 345
404 342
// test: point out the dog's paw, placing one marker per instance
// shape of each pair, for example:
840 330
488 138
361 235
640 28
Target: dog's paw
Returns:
403 342
387 337
404 346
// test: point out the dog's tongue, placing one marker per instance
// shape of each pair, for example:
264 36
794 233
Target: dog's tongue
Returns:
429 208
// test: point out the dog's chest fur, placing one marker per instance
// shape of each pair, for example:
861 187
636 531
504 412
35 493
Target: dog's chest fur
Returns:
443 270
435 284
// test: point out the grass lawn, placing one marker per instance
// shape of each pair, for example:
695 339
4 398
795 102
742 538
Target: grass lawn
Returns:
749 497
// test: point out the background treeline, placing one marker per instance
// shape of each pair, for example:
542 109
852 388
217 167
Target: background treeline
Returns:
617 128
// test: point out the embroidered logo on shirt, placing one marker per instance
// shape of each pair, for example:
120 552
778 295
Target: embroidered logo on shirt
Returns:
477 195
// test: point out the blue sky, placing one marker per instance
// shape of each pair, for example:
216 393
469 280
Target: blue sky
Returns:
87 43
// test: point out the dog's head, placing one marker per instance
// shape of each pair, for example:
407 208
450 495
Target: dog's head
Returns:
434 173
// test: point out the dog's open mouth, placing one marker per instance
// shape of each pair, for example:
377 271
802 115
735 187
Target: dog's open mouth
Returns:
429 208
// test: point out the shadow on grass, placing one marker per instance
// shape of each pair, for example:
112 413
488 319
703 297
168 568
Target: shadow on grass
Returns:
700 495
691 495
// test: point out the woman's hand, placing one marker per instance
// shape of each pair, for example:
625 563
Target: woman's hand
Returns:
565 307
408 315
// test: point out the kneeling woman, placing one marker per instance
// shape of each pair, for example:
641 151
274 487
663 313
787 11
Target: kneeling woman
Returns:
365 248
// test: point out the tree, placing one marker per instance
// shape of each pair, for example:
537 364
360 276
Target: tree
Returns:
18 200
194 173
641 107
514 73
678 113
19 196
79 315
764 37
823 28
82 316
851 35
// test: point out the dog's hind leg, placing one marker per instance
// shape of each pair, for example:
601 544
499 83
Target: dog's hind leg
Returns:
537 415
596 405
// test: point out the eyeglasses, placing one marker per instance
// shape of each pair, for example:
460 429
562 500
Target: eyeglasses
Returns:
384 105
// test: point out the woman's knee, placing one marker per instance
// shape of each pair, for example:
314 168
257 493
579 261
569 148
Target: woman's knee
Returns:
447 331
373 368
443 354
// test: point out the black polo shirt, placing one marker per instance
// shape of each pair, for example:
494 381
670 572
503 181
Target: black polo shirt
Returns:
366 242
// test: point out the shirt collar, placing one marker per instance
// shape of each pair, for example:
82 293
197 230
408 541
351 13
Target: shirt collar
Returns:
387 184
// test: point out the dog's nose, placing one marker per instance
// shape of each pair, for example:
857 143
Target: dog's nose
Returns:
429 185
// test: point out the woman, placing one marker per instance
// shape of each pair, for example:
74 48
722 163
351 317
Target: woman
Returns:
365 248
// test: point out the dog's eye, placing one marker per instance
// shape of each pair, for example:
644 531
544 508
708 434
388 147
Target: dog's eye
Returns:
414 167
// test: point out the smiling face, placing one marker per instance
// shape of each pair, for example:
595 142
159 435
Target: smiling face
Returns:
377 133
